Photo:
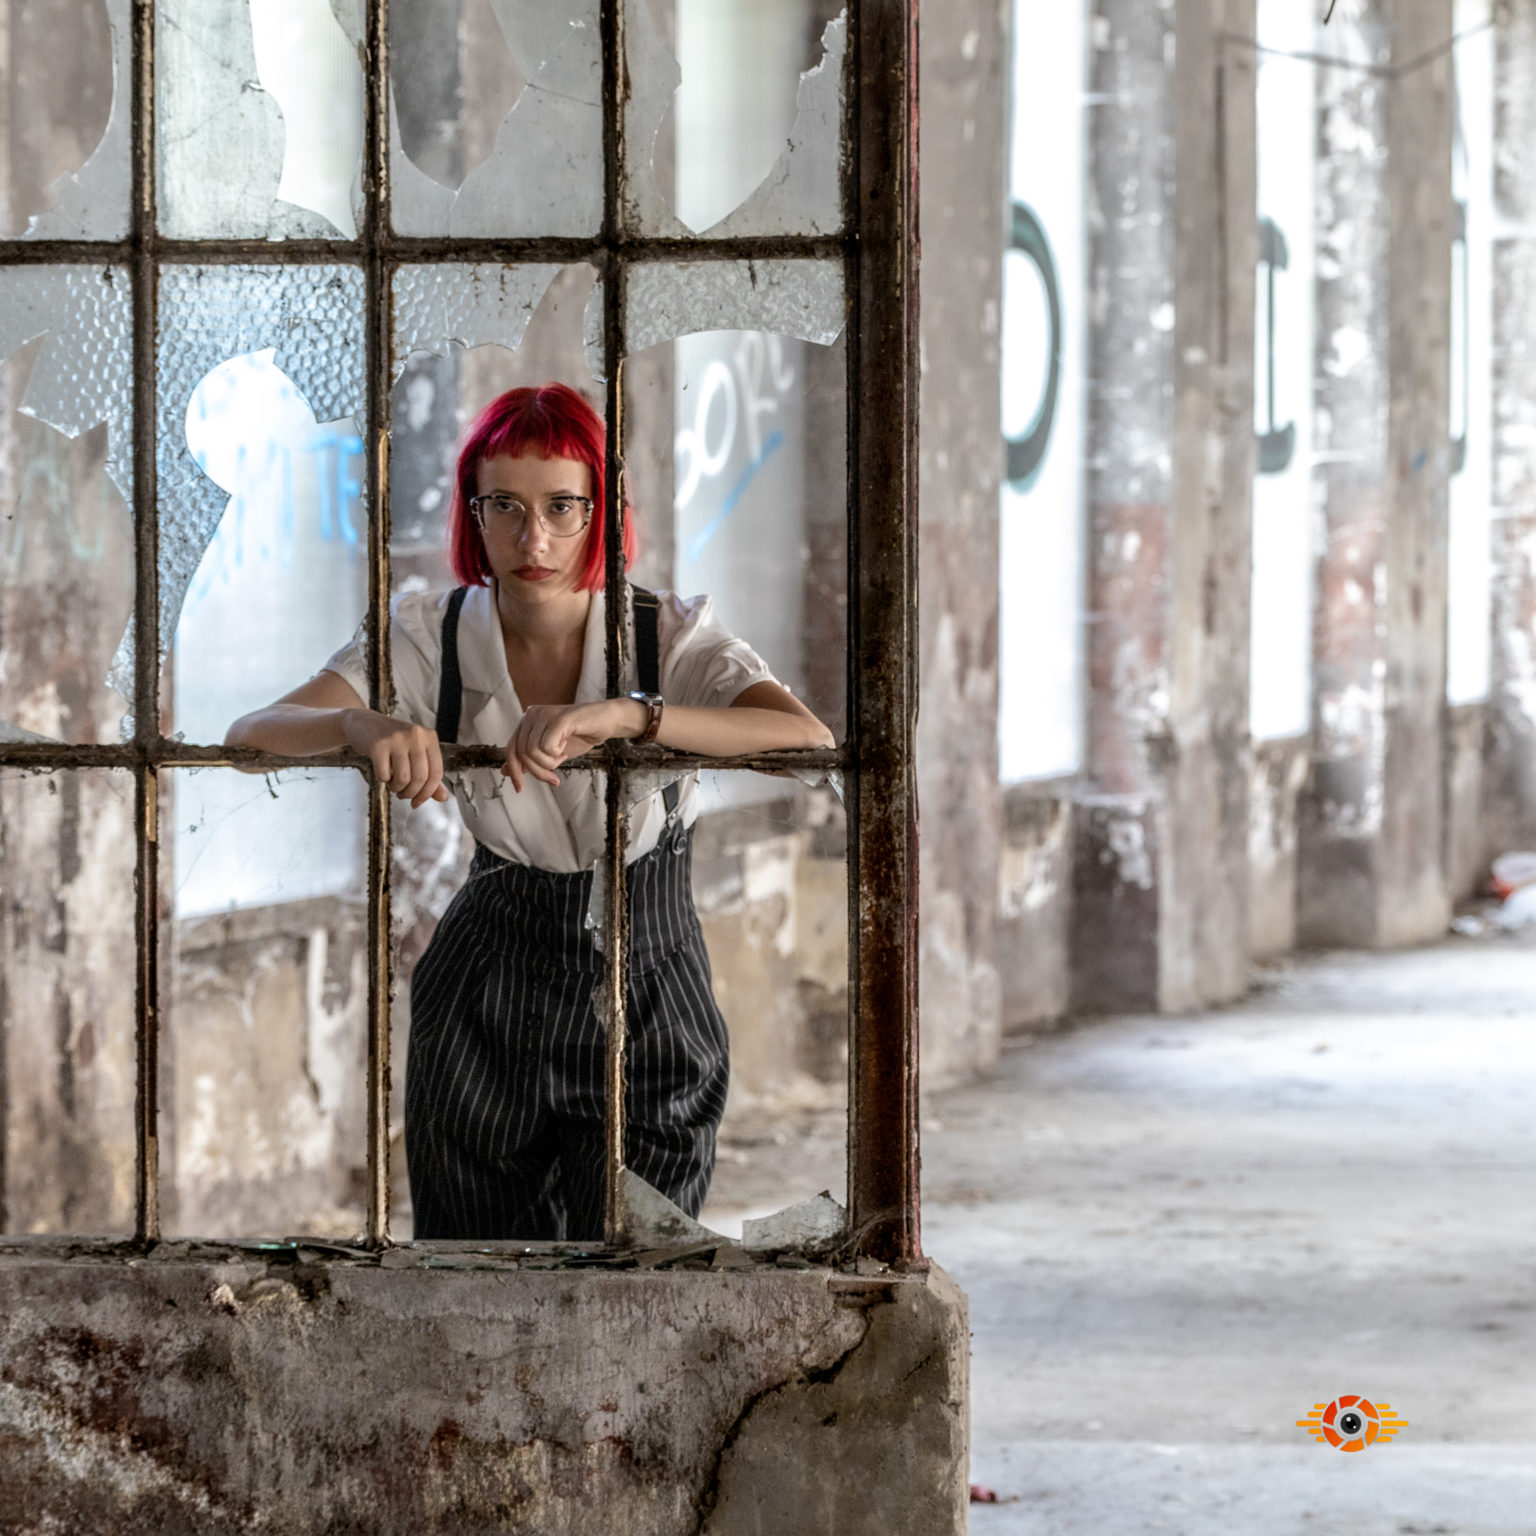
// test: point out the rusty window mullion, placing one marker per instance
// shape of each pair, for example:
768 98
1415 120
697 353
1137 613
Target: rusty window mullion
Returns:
379 352
882 682
145 277
615 977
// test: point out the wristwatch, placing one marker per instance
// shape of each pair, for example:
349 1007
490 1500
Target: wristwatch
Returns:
652 702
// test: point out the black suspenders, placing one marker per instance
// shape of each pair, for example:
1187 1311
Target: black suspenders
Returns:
450 687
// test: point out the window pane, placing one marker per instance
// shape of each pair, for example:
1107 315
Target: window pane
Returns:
497 125
261 470
1471 558
64 119
1045 283
464 335
742 431
770 884
265 1007
67 1006
66 539
1280 694
259 118
735 116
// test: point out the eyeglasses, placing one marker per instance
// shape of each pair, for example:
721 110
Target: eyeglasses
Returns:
561 517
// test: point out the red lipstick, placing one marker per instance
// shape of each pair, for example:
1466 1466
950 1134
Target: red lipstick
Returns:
533 573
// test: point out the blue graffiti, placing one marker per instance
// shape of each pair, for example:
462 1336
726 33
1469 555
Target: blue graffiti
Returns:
700 541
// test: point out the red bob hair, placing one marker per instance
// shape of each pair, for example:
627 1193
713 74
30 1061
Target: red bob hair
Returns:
550 421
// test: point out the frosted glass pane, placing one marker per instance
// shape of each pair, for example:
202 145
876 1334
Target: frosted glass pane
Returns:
737 129
497 120
65 69
1280 688
1040 553
284 581
66 533
1469 618
259 118
67 854
309 320
671 299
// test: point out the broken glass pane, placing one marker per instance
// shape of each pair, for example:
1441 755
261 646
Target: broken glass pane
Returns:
497 127
284 581
463 336
66 538
306 323
259 118
668 299
67 1093
741 434
64 114
264 1017
770 884
727 142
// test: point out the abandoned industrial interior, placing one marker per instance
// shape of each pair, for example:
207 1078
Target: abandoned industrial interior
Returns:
1115 421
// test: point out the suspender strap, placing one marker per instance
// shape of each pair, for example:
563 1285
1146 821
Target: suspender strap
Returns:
450 686
647 608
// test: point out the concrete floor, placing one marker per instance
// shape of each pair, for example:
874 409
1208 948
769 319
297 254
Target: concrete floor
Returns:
1178 1235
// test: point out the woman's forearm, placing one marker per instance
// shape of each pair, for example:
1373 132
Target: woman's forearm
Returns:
291 730
726 732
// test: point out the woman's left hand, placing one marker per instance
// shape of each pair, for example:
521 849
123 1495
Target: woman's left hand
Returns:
549 734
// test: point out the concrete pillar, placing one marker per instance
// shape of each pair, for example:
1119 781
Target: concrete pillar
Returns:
1372 859
964 92
1160 916
1510 793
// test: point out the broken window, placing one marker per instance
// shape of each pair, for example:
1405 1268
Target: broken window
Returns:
1041 709
273 373
1280 691
65 108
1469 594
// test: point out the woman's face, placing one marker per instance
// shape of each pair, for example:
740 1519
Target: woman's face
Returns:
524 556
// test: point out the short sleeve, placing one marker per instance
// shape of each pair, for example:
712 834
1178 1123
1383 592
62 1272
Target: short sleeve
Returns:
351 662
703 665
412 655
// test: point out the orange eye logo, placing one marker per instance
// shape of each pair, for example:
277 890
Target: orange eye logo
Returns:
1351 1423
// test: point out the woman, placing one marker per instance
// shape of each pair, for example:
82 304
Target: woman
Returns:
505 1070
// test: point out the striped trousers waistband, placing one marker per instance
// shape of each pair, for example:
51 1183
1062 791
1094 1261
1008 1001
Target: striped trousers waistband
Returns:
544 913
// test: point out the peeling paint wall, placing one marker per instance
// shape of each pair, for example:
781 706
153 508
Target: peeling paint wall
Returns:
1372 831
964 95
1511 767
195 1393
1160 915
1034 900
1467 853
1279 774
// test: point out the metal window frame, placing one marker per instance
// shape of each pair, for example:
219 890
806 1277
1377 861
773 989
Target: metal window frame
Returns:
878 251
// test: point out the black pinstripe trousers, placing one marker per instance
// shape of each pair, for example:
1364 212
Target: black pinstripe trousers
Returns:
505 1069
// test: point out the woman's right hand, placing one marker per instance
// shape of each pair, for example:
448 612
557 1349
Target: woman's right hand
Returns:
406 758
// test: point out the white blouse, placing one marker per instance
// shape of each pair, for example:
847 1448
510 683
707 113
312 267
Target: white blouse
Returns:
701 664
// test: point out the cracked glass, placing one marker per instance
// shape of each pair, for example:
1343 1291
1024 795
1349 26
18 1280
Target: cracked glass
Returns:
66 538
263 1103
496 123
770 883
261 469
259 118
734 117
741 433
64 113
463 335
67 1007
